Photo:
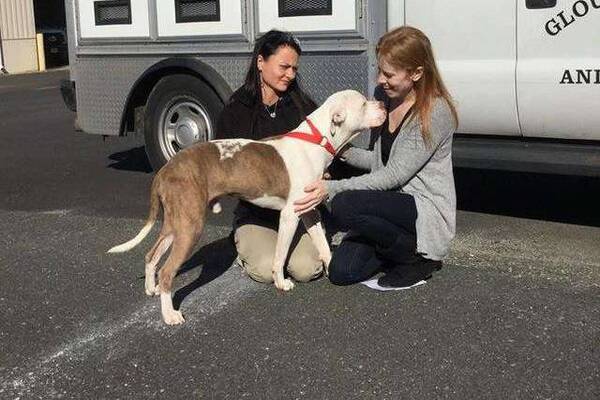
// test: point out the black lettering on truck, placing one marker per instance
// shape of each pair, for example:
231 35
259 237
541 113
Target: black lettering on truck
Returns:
579 9
581 76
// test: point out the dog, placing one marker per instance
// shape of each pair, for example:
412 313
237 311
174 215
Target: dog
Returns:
270 173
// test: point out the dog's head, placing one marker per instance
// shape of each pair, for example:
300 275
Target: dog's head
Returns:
350 113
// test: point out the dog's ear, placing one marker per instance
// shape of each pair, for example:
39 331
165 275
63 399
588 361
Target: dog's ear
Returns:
338 116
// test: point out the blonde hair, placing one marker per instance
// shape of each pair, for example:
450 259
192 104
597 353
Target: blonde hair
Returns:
408 48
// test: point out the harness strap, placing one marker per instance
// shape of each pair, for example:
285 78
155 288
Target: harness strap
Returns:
314 137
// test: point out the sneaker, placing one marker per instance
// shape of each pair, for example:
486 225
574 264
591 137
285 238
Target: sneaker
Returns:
410 275
396 279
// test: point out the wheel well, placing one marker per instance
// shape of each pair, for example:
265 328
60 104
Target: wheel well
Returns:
138 96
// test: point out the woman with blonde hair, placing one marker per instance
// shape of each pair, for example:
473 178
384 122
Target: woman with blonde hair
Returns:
400 216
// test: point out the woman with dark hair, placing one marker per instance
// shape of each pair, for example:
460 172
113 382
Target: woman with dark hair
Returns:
401 215
269 103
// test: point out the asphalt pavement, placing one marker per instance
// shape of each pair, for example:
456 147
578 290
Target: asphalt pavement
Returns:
514 313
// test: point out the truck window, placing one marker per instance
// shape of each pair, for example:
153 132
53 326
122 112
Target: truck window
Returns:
197 11
294 8
117 12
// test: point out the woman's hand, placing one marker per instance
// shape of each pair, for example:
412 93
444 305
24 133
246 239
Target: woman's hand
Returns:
316 193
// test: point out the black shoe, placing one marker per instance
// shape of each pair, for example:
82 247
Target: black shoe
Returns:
407 276
395 279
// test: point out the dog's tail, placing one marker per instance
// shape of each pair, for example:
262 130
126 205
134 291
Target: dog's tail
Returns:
154 209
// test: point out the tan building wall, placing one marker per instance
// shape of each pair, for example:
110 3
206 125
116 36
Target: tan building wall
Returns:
17 32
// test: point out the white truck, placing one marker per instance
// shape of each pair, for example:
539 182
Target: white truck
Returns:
525 74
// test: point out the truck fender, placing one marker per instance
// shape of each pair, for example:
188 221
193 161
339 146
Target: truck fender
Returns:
142 87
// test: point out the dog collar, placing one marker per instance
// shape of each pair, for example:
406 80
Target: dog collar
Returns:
314 137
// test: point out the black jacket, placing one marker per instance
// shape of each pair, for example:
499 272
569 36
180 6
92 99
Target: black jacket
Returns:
242 117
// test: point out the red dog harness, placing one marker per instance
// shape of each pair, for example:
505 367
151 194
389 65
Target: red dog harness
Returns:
314 137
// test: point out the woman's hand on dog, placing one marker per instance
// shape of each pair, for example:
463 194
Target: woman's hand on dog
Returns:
316 194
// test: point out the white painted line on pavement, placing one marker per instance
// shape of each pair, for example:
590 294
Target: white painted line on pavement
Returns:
212 298
56 212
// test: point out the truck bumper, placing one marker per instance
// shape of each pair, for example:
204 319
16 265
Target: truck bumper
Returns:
67 89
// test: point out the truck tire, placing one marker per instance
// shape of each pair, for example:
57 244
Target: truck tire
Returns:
181 110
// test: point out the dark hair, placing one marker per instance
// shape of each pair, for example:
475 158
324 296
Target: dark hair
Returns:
266 46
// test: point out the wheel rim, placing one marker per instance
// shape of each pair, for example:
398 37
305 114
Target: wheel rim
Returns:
182 124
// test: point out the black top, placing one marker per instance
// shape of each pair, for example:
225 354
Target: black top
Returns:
243 118
387 137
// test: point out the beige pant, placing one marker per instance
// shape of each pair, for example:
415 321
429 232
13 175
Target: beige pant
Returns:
256 250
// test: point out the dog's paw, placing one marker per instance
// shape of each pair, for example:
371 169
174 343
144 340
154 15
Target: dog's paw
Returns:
285 285
173 317
152 291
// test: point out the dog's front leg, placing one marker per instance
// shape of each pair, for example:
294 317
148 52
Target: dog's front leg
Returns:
312 223
288 222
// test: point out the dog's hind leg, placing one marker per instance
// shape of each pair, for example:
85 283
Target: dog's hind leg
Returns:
183 244
152 258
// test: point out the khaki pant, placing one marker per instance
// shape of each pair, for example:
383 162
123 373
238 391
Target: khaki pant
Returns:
256 250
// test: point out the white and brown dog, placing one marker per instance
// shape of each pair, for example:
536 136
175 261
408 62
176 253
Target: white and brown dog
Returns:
270 173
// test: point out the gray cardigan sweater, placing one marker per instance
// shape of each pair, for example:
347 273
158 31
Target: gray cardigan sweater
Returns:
423 171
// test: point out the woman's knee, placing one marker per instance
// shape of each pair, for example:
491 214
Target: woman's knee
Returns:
339 274
344 266
352 261
306 272
256 249
305 264
260 269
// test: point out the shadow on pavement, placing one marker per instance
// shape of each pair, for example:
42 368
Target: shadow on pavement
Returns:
134 159
558 198
215 258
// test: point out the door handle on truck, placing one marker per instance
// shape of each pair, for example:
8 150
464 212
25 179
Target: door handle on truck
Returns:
534 4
